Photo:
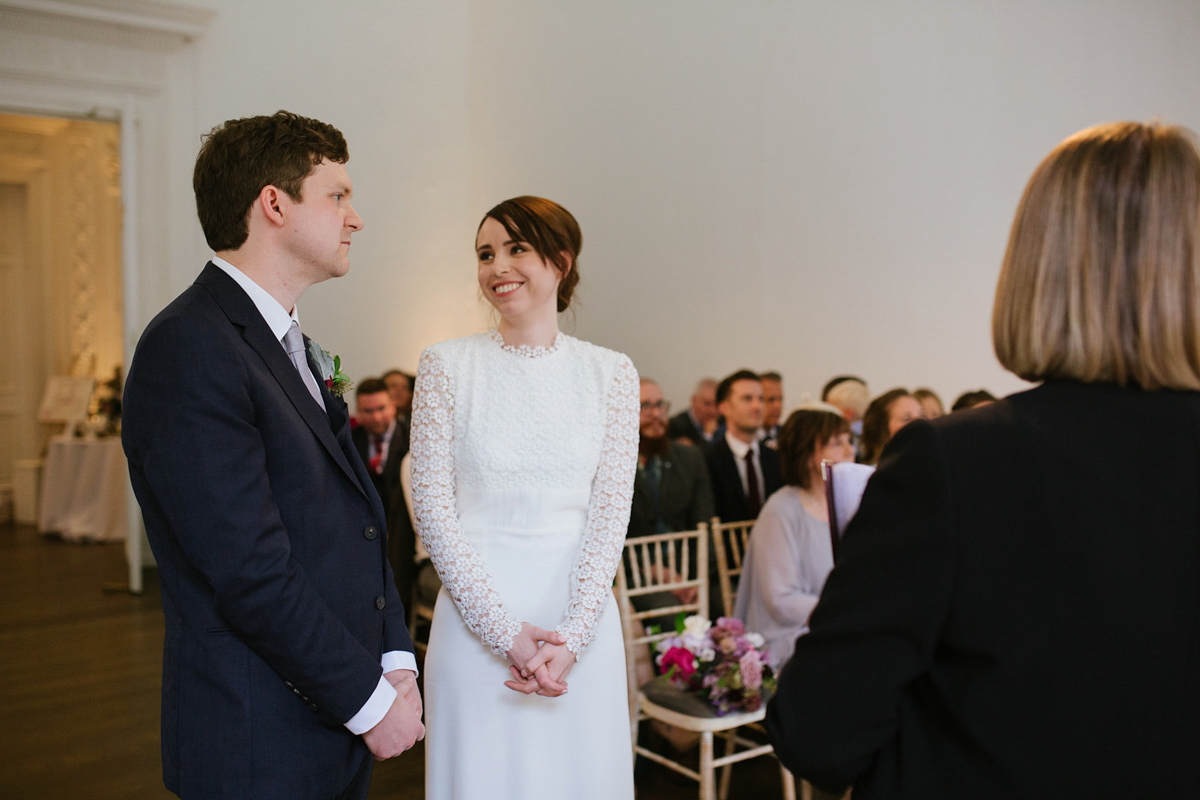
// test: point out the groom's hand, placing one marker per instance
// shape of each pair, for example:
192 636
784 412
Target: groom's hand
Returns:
404 681
401 727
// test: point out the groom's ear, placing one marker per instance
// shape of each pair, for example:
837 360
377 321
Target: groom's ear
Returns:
270 201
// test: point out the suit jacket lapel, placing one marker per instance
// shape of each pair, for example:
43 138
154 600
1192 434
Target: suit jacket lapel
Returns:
241 311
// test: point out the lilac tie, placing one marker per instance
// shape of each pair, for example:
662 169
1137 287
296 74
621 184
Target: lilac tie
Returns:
293 342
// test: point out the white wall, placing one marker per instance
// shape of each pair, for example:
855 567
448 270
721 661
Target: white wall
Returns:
815 187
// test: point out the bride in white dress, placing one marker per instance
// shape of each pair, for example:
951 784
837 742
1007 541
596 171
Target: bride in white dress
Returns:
524 450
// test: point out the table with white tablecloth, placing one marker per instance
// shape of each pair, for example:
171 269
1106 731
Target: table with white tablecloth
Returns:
84 490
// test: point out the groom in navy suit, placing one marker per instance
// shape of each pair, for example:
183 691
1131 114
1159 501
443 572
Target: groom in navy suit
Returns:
286 662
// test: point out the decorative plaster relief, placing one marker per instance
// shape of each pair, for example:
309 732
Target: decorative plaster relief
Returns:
80 62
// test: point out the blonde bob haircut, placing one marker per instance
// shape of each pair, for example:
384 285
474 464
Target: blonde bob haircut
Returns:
1100 279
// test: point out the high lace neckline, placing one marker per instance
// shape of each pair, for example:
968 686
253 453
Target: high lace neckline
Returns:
526 350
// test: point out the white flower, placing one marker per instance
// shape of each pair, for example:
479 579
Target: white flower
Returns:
756 640
323 358
696 626
707 653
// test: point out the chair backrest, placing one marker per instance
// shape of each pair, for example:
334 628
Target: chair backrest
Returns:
653 565
729 550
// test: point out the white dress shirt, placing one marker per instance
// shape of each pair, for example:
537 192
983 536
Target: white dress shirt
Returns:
279 320
740 449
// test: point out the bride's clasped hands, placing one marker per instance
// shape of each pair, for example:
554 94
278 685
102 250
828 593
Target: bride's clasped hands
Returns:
540 661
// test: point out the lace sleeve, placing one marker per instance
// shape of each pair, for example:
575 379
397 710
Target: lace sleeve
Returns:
608 513
462 570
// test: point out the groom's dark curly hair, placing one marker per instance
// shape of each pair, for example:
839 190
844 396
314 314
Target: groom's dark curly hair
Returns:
240 157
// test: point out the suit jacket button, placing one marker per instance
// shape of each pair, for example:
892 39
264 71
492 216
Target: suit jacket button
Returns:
371 532
312 706
380 602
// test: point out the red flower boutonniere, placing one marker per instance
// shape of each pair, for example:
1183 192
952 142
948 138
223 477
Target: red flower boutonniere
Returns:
330 366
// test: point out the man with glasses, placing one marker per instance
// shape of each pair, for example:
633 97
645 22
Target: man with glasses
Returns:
672 492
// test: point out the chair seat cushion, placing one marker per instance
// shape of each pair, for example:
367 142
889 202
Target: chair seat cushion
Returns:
662 692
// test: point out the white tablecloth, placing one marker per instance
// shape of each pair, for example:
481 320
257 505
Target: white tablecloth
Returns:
84 488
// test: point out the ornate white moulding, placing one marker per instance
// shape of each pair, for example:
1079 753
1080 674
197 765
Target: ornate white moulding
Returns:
109 44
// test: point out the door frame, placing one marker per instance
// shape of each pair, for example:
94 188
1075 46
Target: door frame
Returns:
124 62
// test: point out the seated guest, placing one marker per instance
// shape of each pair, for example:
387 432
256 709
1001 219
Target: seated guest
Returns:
772 386
380 441
790 553
698 424
1015 607
400 389
743 474
887 414
851 395
672 491
931 404
972 400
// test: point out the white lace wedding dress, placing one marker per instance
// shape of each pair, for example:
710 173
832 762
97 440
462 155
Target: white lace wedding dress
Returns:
523 462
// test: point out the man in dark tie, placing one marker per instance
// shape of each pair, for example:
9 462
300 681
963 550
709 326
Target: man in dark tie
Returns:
379 438
287 664
743 473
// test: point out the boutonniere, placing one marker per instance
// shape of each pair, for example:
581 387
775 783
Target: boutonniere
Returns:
330 367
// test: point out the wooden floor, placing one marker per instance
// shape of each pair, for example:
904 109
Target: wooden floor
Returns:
80 663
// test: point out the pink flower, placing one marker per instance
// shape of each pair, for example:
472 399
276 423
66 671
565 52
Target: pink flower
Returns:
678 657
734 625
752 670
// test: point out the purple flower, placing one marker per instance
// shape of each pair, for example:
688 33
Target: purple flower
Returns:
752 670
734 625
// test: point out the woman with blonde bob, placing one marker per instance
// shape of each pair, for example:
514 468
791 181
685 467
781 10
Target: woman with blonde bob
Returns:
1016 607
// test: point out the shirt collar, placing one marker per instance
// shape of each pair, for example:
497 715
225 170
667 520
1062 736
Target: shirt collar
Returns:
739 447
276 316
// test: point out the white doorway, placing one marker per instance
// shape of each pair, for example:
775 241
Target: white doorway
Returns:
60 266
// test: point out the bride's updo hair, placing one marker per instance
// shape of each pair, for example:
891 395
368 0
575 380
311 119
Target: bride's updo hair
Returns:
550 230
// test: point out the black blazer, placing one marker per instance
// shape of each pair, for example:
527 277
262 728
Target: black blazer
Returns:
1015 612
681 426
684 493
270 542
387 482
729 498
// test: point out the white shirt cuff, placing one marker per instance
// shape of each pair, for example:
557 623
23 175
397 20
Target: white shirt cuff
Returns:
377 705
374 710
399 659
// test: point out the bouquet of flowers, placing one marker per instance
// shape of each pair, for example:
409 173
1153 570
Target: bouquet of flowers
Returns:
721 662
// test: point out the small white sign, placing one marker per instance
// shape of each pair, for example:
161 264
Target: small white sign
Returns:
66 399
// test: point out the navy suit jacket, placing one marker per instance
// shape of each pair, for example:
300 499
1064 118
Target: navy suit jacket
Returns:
271 547
729 498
